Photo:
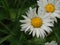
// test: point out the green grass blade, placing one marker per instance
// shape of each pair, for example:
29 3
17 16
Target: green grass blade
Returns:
7 28
5 38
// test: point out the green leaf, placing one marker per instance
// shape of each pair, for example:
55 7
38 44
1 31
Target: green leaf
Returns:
13 14
5 38
7 28
57 37
4 31
14 40
36 41
6 8
5 4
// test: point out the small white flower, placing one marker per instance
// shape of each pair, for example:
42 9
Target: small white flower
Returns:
36 24
51 43
52 7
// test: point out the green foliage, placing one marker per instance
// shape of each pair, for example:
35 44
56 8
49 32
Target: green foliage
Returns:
10 14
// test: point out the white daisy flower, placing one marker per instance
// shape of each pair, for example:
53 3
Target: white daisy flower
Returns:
51 7
51 43
36 24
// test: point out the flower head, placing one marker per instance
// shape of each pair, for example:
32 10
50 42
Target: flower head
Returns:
51 7
36 24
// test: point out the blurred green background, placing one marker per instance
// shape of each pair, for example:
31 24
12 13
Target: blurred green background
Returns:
10 34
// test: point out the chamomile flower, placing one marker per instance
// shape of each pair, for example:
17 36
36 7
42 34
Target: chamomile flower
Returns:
51 7
36 24
51 43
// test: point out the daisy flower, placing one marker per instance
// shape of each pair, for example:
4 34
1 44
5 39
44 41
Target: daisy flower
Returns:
51 43
51 7
36 24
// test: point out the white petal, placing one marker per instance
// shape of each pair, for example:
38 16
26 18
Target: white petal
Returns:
33 34
31 12
45 2
31 30
42 2
42 35
47 29
48 24
57 3
53 43
37 33
24 21
22 29
41 12
25 17
57 11
44 32
47 43
55 20
56 15
52 1
27 28
46 16
39 3
34 11
29 15
47 20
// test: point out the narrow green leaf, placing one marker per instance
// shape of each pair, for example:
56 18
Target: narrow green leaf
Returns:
5 38
12 14
4 31
58 38
6 7
5 4
7 28
15 2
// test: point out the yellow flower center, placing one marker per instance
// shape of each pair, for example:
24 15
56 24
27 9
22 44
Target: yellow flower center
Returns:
36 22
50 8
